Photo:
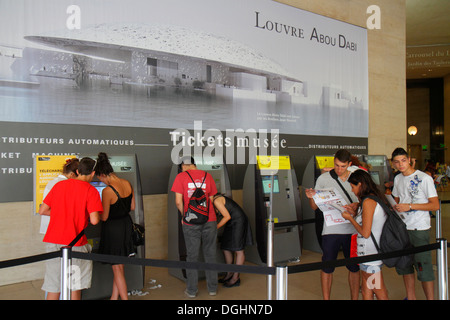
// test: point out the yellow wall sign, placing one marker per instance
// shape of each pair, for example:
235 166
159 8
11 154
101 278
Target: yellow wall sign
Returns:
273 162
325 162
46 168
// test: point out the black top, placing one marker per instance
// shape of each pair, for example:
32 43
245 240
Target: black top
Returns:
116 231
237 233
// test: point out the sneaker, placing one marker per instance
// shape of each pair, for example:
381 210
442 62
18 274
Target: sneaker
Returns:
213 293
189 295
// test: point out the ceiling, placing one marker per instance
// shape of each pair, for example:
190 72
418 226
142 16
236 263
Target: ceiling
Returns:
427 38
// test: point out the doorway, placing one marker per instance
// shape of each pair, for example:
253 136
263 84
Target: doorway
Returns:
415 152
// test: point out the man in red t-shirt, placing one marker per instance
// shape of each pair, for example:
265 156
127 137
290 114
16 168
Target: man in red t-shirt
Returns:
71 204
196 235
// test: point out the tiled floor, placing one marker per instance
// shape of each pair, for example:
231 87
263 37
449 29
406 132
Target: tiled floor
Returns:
302 286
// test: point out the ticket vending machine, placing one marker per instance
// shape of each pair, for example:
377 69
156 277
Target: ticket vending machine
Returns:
126 167
176 244
286 207
315 167
381 170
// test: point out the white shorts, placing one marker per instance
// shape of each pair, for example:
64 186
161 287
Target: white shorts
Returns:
81 270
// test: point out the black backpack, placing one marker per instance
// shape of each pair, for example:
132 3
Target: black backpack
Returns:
198 206
394 237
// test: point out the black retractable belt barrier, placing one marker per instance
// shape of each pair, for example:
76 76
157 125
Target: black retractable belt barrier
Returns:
281 280
281 287
217 266
294 223
356 260
31 259
175 264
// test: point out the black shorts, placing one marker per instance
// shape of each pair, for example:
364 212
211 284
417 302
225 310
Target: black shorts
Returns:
331 244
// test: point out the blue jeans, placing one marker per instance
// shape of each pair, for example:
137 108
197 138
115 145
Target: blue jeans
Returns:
205 236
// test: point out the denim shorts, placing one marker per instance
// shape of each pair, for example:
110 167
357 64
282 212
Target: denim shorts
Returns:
369 268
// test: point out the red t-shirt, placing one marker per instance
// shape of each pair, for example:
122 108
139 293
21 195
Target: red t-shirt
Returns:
70 201
184 185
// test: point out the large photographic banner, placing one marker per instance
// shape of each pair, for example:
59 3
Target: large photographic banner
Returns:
163 79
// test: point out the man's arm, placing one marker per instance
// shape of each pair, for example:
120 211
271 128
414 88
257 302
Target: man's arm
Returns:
44 210
431 205
309 194
219 204
94 217
179 202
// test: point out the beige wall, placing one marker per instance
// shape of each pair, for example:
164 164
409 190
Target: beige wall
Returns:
19 228
447 118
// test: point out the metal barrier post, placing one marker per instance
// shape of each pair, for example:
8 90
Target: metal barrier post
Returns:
441 258
442 265
66 263
270 242
282 282
438 222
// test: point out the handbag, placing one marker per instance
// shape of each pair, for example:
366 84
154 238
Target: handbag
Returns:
138 234
137 230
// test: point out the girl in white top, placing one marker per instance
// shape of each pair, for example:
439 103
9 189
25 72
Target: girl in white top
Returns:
368 218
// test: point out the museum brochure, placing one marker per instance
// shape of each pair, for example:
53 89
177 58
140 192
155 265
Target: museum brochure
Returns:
331 203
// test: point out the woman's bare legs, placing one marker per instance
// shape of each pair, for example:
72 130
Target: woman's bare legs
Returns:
119 283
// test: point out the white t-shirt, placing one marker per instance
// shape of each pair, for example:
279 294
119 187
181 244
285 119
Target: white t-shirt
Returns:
45 220
415 188
326 181
366 246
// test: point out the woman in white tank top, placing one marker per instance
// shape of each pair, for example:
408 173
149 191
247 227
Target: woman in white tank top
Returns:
368 218
365 245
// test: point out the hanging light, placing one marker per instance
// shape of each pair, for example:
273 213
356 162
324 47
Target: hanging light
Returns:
412 130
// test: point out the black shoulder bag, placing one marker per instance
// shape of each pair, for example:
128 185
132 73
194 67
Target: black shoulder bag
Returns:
335 177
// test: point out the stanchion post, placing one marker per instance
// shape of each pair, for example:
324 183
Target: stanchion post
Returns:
270 241
282 283
441 258
66 263
438 222
442 265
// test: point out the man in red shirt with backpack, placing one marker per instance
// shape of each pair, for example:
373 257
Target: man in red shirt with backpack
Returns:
204 234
